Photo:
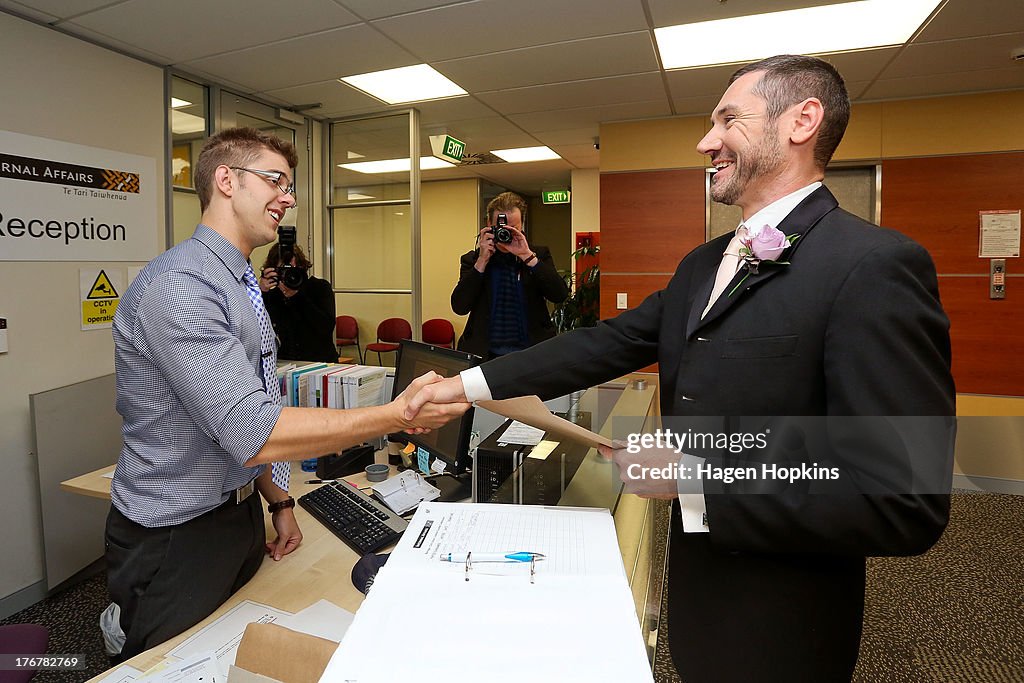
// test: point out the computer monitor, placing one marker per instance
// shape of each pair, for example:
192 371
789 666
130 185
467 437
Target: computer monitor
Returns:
450 443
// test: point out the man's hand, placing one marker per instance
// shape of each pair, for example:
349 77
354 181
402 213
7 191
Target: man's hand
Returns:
288 534
518 247
486 241
427 416
268 279
642 472
446 391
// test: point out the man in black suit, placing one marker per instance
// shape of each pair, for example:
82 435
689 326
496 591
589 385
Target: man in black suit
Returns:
504 286
806 311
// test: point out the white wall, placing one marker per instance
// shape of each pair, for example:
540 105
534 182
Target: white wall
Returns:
57 87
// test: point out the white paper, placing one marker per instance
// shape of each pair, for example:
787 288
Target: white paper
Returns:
521 433
323 619
576 621
201 667
406 491
122 674
223 635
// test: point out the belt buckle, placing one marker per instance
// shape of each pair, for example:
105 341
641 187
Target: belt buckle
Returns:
243 492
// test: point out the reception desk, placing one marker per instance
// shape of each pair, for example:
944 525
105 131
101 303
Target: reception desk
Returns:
320 567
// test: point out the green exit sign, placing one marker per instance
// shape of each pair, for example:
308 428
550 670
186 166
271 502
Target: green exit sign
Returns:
447 148
555 196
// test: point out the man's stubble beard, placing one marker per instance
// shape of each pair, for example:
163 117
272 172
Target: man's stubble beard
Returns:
759 160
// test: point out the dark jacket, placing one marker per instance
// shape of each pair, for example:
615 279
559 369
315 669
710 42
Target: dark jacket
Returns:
304 323
473 292
852 326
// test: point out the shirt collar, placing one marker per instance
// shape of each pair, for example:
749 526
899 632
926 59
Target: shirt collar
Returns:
224 250
774 213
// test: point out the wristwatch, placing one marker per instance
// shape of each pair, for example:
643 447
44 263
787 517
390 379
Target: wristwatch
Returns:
288 502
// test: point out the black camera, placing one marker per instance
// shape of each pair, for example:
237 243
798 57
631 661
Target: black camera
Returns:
293 277
502 234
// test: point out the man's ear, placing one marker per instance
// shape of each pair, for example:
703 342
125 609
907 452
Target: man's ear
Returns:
223 180
807 118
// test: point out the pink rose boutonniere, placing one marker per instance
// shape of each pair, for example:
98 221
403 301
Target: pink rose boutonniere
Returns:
766 247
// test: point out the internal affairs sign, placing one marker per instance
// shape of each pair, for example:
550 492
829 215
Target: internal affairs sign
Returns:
65 202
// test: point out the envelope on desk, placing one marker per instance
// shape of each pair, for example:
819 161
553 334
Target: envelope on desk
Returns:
532 411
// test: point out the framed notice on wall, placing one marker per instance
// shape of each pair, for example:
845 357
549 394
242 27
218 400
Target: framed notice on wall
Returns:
999 234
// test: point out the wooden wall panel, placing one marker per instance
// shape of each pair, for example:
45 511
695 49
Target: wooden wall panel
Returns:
936 201
636 287
987 335
650 220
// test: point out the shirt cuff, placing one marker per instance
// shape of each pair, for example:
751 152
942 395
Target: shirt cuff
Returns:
475 385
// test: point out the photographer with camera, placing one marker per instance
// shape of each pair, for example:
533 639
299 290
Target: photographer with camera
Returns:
301 306
504 285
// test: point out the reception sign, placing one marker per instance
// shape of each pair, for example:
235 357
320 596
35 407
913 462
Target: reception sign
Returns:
65 202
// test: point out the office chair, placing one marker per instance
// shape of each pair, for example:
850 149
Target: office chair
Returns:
439 332
22 639
389 333
346 333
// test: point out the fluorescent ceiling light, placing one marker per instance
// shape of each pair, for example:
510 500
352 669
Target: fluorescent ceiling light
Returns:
812 30
355 155
522 154
177 102
183 123
395 165
406 84
356 195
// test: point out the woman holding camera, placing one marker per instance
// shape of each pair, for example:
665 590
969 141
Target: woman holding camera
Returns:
504 285
301 308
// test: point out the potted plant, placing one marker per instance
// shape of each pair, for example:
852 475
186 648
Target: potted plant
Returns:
582 307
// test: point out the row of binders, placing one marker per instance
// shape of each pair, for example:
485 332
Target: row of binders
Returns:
331 385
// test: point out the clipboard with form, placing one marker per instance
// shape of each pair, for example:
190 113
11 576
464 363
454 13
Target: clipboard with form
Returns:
575 622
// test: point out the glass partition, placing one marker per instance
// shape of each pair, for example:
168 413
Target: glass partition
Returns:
189 122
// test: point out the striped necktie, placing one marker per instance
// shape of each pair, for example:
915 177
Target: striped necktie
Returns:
280 471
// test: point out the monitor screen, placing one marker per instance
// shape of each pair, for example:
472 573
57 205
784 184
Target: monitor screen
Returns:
451 442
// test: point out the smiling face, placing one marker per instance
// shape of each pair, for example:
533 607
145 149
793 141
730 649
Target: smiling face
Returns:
258 204
745 148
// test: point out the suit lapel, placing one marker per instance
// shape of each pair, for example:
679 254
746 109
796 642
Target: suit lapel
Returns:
800 220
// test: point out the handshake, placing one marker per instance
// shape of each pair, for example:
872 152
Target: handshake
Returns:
430 402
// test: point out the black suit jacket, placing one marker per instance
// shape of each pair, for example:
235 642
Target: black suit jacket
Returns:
852 326
472 295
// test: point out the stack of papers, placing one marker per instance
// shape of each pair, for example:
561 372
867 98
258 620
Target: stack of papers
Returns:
572 618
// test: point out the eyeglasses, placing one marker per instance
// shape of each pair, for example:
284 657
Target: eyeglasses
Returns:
275 178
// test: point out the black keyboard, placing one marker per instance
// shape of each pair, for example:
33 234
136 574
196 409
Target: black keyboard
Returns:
351 515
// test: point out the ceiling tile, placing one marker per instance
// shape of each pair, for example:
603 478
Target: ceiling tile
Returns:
568 137
337 98
580 156
695 106
375 9
453 109
967 18
628 53
971 54
460 30
102 39
64 8
946 84
591 92
28 12
311 59
591 117
158 25
673 12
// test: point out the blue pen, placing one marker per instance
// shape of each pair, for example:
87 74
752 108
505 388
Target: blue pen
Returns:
520 556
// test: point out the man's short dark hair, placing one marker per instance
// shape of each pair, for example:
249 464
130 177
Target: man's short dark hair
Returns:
505 202
789 79
236 147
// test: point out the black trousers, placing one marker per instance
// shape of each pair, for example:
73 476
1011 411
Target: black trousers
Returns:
167 579
752 618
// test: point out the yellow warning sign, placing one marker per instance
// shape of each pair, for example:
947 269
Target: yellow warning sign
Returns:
102 288
98 313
